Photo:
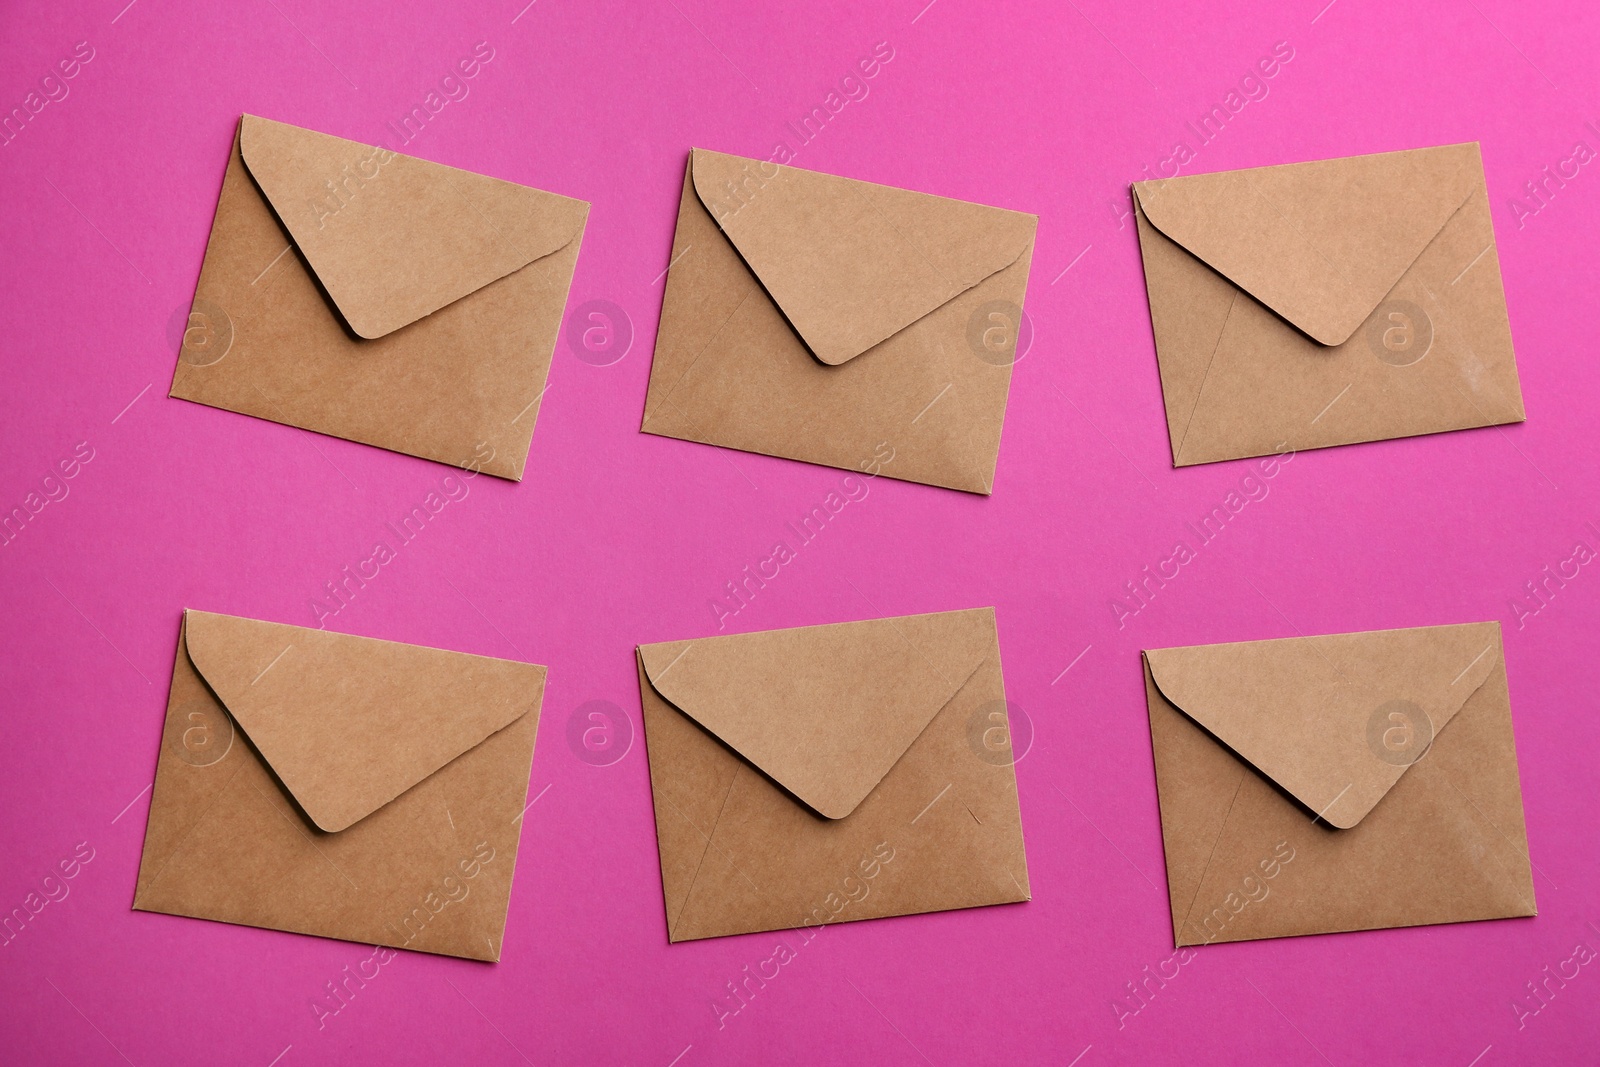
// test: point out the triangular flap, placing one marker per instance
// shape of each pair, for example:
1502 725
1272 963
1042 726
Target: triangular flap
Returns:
1320 243
825 711
1335 720
393 238
350 723
848 262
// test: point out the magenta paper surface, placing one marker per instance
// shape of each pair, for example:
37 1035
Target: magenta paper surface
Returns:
617 538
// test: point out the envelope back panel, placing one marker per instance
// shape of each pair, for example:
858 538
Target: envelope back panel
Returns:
729 370
1239 380
1319 242
739 854
1246 861
851 262
460 386
414 237
430 871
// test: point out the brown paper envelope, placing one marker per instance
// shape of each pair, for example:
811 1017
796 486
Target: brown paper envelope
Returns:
832 773
1348 782
835 321
325 784
380 298
1325 303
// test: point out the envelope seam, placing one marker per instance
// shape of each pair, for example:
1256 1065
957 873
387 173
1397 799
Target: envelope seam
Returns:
1221 826
951 298
521 253
308 839
667 396
1404 771
1444 315
906 241
178 845
1523 853
960 289
1177 453
695 878
956 692
1459 337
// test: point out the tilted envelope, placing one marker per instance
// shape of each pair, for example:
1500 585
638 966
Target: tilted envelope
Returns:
831 773
816 318
1347 782
380 298
341 786
1325 303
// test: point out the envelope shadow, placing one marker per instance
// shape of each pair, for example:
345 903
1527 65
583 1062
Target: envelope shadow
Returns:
1323 350
305 264
740 759
1316 820
239 734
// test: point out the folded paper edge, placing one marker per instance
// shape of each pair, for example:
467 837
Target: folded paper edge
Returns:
304 930
1155 679
1331 341
370 335
694 182
678 707
211 687
644 666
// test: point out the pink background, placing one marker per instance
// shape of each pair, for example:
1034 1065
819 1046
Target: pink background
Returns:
617 538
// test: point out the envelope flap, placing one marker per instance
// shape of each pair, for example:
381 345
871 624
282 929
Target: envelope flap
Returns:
1323 717
849 262
825 711
393 238
350 723
1319 243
